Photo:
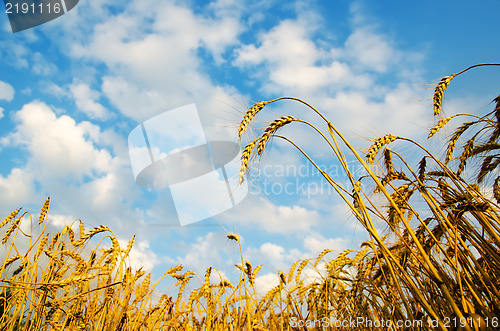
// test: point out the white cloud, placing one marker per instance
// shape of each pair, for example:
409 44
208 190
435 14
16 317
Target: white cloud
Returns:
316 243
158 66
265 282
134 102
85 99
344 80
84 170
59 146
150 54
258 212
6 91
287 44
1 112
141 255
17 186
16 52
41 66
60 221
56 90
273 255
371 50
204 249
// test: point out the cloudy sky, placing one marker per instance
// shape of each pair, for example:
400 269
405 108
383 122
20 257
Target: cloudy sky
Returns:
73 89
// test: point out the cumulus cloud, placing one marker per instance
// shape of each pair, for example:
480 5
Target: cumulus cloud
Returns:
371 50
59 146
141 255
133 101
83 168
17 186
6 91
259 212
266 282
344 79
212 248
156 56
41 66
85 99
316 243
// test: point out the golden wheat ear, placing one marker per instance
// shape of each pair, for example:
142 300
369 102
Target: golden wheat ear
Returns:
439 93
271 129
377 145
10 217
245 157
45 210
249 115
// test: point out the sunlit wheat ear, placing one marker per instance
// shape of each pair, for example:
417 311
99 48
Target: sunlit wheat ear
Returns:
11 259
489 164
129 246
467 152
143 289
282 277
299 270
44 211
206 283
248 269
234 237
10 217
389 166
173 270
454 138
377 145
12 227
439 92
250 114
422 165
254 274
321 255
442 122
226 283
41 246
92 233
269 295
292 270
245 157
271 129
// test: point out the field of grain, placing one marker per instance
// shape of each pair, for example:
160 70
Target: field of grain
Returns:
435 267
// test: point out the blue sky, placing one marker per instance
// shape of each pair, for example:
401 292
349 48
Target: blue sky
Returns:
72 90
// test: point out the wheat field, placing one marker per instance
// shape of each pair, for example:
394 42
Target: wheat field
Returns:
435 267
